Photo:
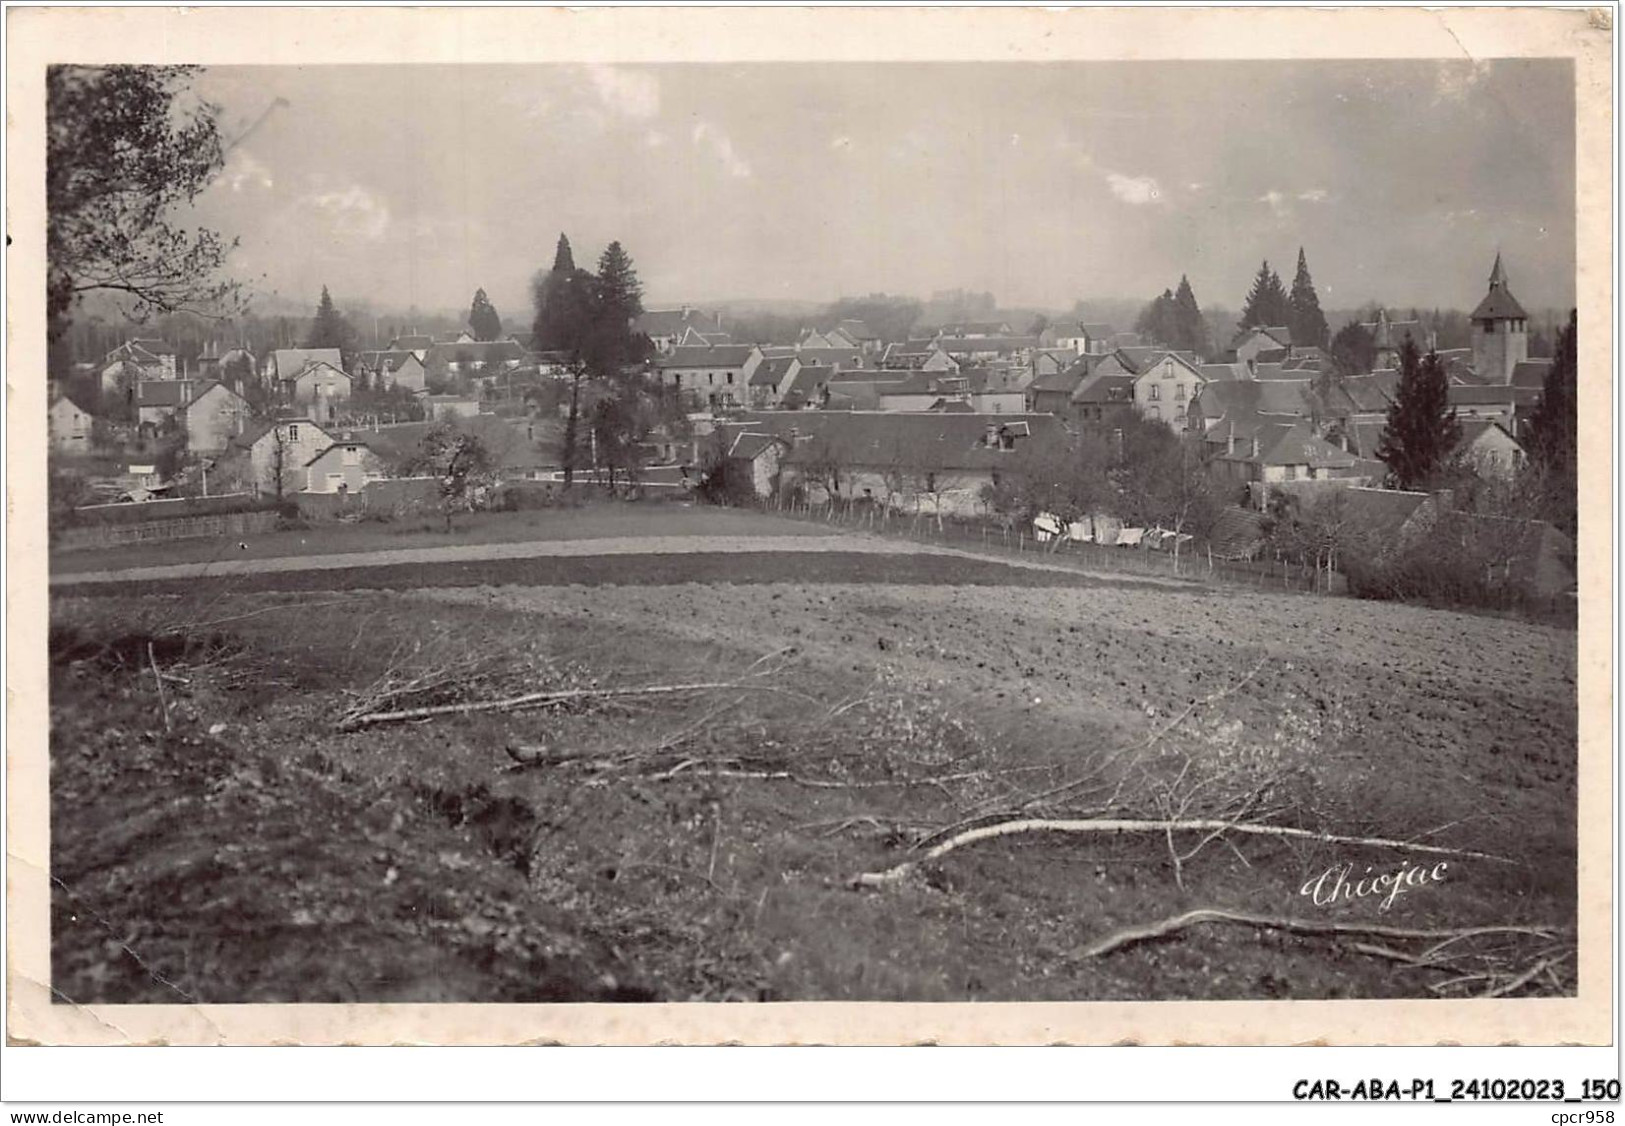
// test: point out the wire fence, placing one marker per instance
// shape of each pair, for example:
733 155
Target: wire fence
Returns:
1194 561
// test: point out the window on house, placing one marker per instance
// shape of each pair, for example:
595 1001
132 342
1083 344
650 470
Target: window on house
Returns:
293 433
1489 327
1156 392
1179 391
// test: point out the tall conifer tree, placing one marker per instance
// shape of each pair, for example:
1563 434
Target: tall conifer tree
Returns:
1267 304
1422 427
1307 322
483 321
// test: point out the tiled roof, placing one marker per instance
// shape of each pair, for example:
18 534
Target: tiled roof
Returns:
770 371
808 379
386 360
749 445
672 322
1243 398
1490 395
1104 388
261 427
1499 303
1001 344
164 392
977 328
291 361
1296 445
1531 373
720 356
1379 515
74 402
1373 392
923 441
971 380
473 351
142 350
1472 429
1063 381
834 357
506 443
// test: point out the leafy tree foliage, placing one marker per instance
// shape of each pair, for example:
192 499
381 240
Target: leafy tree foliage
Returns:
1422 427
1307 322
330 329
1138 471
890 318
588 317
1554 431
461 462
1174 320
125 149
1191 328
1267 304
1156 321
1353 350
482 318
619 290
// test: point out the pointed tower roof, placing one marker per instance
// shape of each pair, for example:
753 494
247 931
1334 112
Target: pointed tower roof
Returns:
1498 303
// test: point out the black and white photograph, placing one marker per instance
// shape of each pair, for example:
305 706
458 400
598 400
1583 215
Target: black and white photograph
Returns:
844 530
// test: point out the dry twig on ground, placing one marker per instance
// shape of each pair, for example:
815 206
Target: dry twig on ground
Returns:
1164 927
1127 825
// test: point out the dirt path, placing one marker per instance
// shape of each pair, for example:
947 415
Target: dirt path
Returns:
858 543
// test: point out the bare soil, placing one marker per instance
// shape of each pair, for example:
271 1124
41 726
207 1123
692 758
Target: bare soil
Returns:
252 853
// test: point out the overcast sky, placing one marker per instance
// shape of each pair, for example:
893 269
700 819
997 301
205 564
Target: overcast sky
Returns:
1043 183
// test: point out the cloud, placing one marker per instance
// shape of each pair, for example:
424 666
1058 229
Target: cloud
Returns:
353 211
1136 190
839 143
1456 79
243 170
1276 199
717 141
632 93
1314 195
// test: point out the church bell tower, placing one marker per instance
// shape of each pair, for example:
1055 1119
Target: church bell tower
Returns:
1500 330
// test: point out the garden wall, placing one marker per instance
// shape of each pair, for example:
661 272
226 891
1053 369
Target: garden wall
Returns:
108 534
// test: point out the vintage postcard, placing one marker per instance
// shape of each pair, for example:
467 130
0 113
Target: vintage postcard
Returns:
627 526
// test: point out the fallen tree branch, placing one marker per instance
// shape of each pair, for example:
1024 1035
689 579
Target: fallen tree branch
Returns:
1125 825
550 699
1165 927
158 678
1522 979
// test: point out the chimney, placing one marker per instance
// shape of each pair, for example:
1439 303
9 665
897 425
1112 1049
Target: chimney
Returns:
990 436
1252 367
1230 442
1255 446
